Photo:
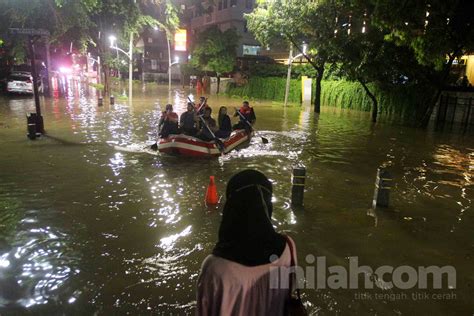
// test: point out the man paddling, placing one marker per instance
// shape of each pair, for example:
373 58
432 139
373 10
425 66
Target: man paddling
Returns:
168 122
189 121
246 115
210 126
201 106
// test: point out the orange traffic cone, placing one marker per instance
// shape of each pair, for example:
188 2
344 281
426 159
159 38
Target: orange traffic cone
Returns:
211 193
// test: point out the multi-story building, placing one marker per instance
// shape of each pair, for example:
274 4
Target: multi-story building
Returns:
155 59
225 14
195 18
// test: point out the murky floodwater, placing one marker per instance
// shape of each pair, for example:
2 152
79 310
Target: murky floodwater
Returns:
86 228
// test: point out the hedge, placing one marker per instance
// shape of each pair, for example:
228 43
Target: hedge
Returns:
401 100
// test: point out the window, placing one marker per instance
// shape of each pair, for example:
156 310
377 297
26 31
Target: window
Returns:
248 4
154 64
219 5
245 27
251 49
233 3
224 6
150 40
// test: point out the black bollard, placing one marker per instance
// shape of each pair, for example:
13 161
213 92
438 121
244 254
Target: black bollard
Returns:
100 101
297 186
112 100
31 126
383 184
39 125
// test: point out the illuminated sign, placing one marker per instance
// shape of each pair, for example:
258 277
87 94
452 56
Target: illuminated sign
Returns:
180 40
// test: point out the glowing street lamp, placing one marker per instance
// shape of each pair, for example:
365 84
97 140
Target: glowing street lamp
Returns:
291 58
113 40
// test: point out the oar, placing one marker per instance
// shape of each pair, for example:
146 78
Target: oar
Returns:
200 106
264 140
219 143
155 145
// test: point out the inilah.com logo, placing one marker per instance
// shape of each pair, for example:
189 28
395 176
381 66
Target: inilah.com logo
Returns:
317 275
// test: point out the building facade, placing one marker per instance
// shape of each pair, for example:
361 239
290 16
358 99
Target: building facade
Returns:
224 14
155 59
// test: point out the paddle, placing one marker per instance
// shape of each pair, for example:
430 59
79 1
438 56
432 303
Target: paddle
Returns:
219 143
200 106
264 140
155 145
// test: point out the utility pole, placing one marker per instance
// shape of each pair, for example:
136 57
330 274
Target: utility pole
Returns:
130 68
169 63
39 124
32 34
288 76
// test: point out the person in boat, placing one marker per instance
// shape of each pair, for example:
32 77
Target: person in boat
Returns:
236 279
225 126
201 105
204 132
188 121
246 114
168 122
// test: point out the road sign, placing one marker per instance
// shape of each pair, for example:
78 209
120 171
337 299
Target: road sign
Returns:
30 32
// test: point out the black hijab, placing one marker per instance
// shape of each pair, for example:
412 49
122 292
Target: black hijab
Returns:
246 234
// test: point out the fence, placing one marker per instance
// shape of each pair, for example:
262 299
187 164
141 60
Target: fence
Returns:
455 109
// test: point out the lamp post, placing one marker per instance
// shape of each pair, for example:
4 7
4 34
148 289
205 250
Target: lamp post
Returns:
98 66
291 58
168 42
113 40
98 71
176 61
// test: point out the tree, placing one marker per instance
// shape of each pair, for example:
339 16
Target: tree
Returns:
62 18
215 51
437 32
291 22
87 23
363 54
125 18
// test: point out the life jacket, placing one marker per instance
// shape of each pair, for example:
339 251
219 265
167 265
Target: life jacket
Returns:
245 111
248 113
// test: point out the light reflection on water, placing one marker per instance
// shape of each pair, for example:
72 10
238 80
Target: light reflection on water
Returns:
35 271
119 230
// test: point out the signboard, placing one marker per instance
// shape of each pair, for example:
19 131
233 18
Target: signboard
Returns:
180 40
30 32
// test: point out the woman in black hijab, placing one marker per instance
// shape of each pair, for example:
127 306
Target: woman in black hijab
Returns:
246 234
235 279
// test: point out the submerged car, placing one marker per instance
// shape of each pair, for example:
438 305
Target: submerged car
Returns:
20 82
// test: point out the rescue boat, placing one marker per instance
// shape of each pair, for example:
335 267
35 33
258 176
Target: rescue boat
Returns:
184 145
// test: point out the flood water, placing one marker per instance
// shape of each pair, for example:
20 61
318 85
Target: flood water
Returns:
86 228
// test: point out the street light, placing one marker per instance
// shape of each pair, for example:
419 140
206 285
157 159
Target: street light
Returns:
98 65
291 58
113 40
168 41
176 61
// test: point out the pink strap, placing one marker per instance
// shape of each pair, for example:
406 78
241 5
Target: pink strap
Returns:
292 264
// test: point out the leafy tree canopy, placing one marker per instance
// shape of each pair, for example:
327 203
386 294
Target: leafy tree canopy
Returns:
215 50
